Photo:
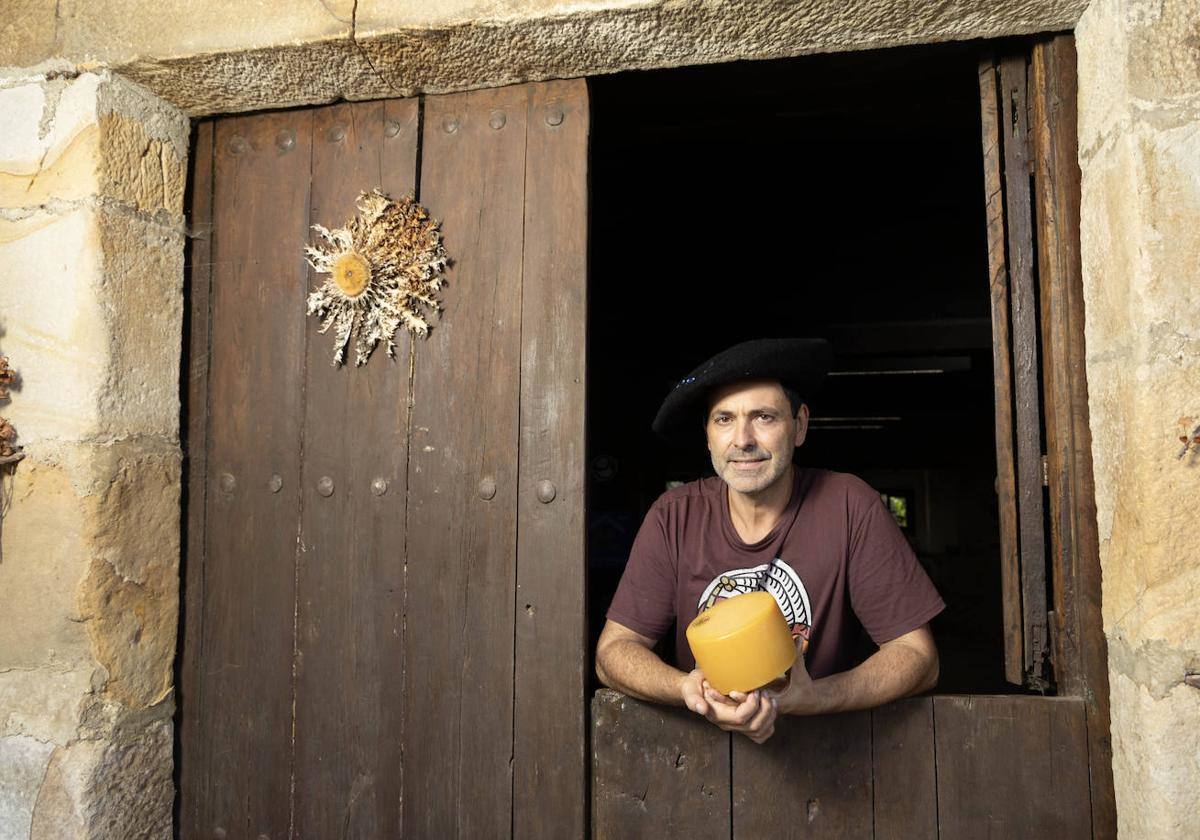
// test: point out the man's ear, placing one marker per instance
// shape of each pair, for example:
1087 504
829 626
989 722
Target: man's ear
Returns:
801 424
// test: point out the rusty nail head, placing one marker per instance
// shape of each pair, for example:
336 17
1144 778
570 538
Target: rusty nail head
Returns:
275 484
487 488
325 486
450 125
286 140
337 134
554 115
228 482
237 145
391 128
379 486
546 492
498 119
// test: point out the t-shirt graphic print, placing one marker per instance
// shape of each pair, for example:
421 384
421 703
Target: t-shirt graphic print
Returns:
777 578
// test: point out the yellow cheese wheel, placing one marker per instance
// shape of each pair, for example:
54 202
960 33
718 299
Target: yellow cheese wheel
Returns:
742 643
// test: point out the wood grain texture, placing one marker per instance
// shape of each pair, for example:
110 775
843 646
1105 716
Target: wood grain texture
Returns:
461 546
350 577
811 779
195 409
904 775
1019 222
1012 767
1081 654
998 286
550 740
657 772
260 205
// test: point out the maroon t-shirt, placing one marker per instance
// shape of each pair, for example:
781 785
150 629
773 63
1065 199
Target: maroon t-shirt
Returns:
835 561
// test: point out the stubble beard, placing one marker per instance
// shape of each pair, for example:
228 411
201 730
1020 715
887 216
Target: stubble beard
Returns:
756 482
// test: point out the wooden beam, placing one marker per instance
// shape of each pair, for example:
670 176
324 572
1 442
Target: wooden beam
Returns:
1081 654
1010 569
1018 216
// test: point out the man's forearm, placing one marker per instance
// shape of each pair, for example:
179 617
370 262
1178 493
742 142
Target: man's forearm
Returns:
637 671
891 673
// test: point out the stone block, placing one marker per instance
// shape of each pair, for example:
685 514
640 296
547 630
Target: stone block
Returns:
141 296
128 601
49 142
1155 745
27 32
23 764
54 326
41 564
45 702
109 788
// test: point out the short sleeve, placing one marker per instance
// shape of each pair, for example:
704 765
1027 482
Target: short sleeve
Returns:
645 598
889 591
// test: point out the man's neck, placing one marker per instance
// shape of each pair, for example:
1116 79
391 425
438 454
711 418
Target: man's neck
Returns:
754 516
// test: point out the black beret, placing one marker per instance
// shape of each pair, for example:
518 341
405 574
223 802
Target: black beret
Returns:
799 363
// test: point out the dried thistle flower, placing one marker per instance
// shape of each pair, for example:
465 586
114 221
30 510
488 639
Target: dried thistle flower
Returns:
385 267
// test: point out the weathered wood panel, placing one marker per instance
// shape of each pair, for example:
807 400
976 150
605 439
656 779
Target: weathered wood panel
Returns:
657 772
550 759
1012 767
349 674
463 477
1081 656
1019 223
905 778
195 410
1006 481
260 207
811 779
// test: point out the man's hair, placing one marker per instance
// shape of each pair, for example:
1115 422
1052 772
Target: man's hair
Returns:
793 397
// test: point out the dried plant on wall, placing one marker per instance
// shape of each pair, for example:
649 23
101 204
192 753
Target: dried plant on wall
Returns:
8 435
384 269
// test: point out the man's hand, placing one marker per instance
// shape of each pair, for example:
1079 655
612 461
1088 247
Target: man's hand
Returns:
751 714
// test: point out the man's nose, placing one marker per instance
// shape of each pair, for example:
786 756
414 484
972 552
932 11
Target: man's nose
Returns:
743 435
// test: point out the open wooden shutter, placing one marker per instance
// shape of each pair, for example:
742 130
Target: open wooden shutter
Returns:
1020 481
1053 630
385 566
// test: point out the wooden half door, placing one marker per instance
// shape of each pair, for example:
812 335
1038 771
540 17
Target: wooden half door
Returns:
384 576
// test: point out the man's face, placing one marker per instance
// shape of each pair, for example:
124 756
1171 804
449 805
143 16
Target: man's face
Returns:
752 434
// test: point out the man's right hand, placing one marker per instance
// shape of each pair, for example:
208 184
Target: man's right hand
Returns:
751 714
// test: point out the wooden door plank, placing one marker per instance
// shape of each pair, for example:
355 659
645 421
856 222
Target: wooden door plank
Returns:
1012 767
657 772
1006 482
260 221
195 409
462 538
1019 221
550 735
811 779
350 572
1081 654
902 756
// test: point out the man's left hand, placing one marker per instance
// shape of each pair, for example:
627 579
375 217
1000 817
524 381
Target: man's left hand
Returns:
751 714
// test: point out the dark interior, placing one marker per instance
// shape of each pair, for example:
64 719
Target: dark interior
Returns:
838 196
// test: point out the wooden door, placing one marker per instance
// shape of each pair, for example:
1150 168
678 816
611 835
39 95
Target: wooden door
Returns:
384 581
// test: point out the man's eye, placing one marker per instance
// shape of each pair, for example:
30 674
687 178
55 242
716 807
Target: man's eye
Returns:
721 420
766 418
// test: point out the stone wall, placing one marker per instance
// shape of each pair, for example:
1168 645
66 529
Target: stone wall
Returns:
1139 65
92 172
91 244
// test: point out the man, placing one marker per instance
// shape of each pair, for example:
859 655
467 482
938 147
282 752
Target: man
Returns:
821 542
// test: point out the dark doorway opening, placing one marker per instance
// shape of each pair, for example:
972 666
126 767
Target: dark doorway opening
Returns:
838 196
